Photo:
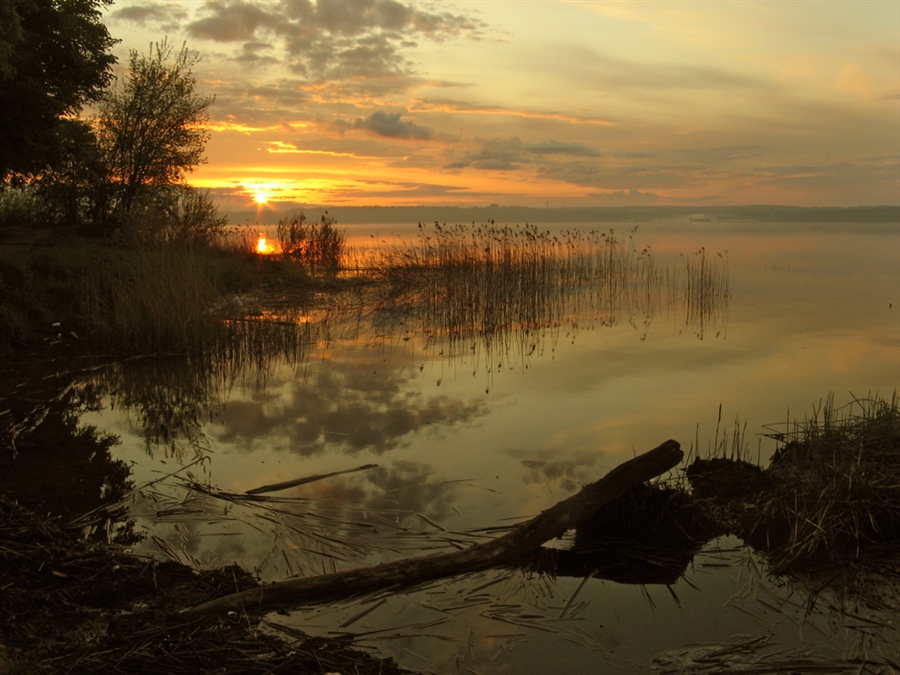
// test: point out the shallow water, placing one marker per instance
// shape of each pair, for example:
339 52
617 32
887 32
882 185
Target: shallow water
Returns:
483 434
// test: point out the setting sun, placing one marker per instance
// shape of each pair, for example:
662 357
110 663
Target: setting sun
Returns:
260 196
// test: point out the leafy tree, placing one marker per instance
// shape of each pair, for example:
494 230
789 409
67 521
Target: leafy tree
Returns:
54 58
75 191
152 129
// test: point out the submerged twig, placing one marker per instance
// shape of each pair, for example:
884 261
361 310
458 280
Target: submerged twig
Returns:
274 487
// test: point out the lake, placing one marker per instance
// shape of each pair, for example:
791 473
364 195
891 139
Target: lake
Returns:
482 412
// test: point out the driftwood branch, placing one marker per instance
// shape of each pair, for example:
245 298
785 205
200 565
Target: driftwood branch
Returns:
508 548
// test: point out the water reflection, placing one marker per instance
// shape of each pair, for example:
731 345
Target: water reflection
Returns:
63 467
494 297
349 406
488 299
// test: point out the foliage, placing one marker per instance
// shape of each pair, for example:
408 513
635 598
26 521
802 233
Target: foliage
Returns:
53 59
20 207
152 129
179 215
75 192
317 245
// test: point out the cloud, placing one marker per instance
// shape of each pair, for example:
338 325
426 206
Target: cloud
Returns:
593 69
235 21
547 466
283 103
333 40
509 154
552 147
251 53
157 14
391 125
623 198
459 107
347 406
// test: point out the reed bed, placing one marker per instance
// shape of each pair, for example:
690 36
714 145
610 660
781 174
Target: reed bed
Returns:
317 245
704 291
151 298
506 291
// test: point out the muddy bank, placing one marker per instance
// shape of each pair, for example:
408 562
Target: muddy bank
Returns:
69 606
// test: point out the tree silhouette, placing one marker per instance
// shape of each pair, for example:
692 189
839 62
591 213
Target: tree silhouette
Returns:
54 58
153 128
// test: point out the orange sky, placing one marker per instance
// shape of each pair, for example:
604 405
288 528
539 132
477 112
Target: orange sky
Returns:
547 102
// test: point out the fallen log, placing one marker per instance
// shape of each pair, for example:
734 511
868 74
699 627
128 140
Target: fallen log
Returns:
522 539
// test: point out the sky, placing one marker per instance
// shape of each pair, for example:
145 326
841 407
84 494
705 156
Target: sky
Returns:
539 102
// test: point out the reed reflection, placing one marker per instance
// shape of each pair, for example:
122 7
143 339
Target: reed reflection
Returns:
498 296
492 298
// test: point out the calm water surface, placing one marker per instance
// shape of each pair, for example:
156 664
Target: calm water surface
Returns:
475 430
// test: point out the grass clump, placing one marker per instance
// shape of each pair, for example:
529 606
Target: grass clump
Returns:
75 607
830 495
835 492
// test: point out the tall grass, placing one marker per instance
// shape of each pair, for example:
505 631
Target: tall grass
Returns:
319 246
507 292
704 289
151 298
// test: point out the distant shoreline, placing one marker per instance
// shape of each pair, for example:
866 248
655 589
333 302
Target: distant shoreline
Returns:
599 214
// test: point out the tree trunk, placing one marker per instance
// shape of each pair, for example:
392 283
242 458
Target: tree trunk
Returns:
508 548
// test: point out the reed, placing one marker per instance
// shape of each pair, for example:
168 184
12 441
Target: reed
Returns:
319 246
836 496
702 284
507 292
151 299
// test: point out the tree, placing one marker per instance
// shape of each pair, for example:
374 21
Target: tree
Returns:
152 129
54 58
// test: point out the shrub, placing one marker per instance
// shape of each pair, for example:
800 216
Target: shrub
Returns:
20 207
319 246
180 215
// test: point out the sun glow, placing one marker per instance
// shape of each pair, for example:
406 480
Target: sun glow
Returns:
262 246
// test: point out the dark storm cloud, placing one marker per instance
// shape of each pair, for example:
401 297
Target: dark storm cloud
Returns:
335 39
391 125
